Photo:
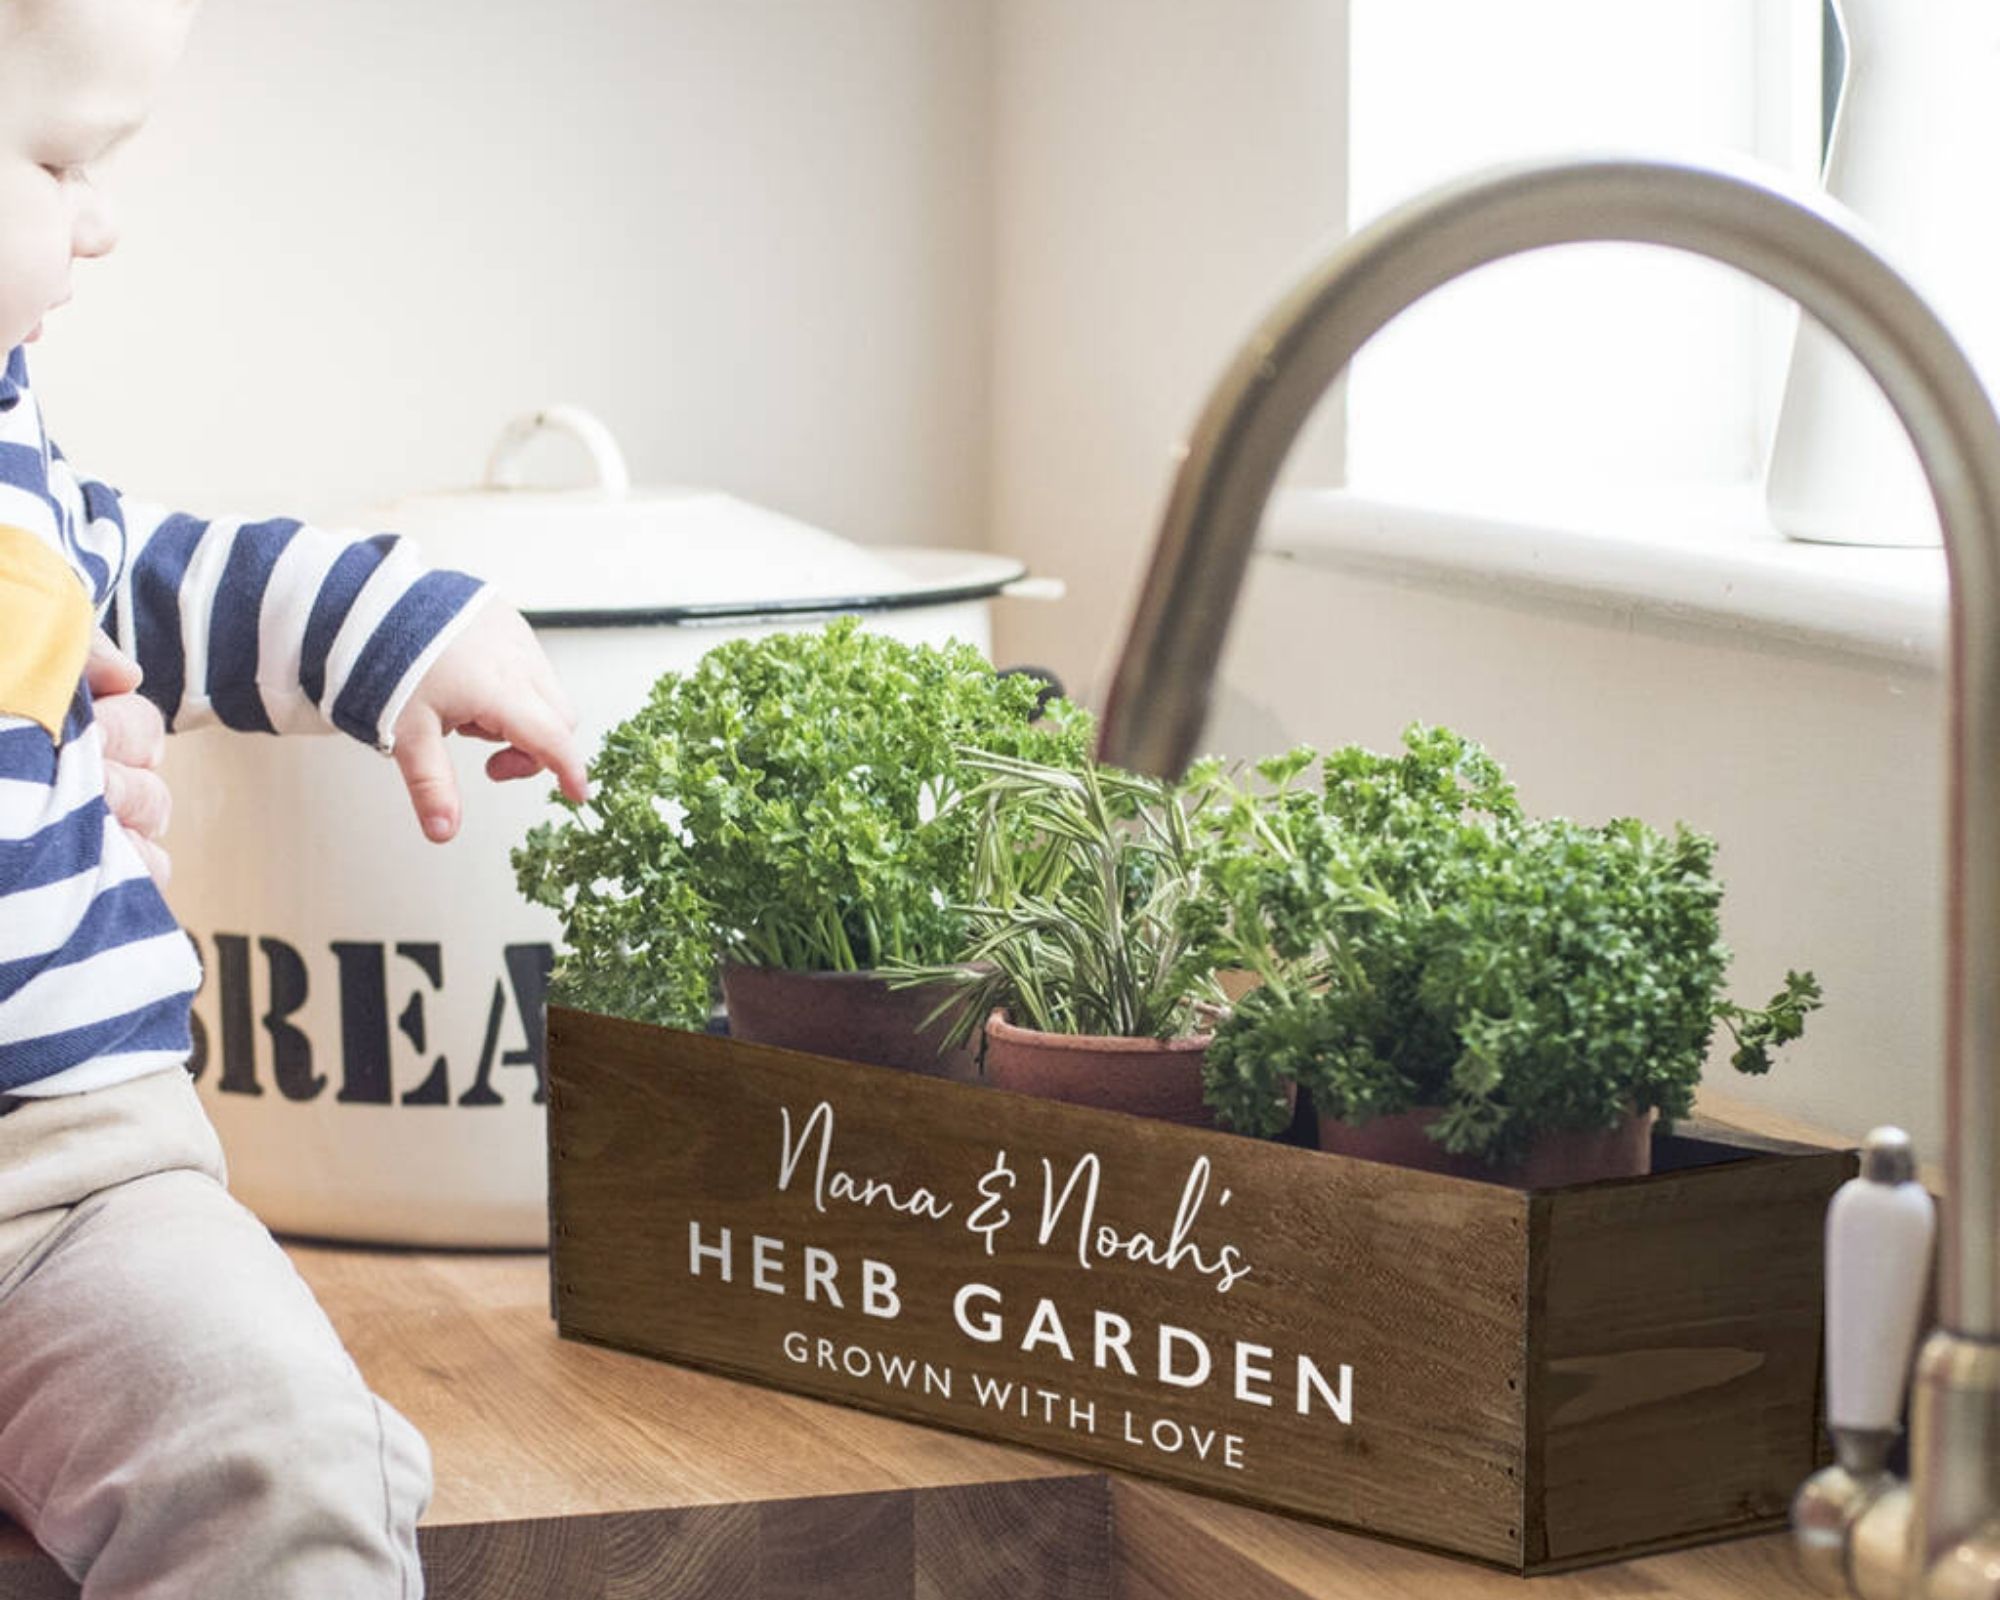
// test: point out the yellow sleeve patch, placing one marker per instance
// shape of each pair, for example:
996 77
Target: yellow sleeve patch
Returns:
45 626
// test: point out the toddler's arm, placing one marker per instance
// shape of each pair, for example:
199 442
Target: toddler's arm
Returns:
268 626
277 627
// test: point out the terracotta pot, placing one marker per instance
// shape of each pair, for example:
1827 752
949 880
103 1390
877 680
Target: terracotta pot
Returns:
1554 1159
851 1016
1143 1077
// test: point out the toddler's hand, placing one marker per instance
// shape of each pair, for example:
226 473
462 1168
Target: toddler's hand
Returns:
491 682
135 737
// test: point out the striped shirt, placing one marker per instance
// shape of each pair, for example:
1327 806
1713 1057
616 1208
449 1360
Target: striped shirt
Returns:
266 627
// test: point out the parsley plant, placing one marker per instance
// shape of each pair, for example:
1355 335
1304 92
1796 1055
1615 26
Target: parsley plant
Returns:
792 801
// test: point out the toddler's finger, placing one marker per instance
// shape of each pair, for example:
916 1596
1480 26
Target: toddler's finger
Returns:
511 763
110 670
552 691
159 865
134 733
426 769
536 727
139 799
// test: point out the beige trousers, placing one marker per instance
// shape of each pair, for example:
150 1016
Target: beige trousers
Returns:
177 1416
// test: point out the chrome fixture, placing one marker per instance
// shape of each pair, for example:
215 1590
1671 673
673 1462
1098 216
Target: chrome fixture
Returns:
1940 1539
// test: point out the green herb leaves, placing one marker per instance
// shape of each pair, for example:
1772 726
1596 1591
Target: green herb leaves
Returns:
794 801
840 801
1085 906
1422 943
1758 1033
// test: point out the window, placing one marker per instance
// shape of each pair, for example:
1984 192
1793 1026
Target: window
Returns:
1566 372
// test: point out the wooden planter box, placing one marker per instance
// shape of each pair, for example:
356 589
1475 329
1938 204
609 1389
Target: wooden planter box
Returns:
1533 1379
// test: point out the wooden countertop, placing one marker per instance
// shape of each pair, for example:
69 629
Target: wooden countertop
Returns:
566 1471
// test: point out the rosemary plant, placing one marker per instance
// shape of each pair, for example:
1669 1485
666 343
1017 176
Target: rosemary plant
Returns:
1081 919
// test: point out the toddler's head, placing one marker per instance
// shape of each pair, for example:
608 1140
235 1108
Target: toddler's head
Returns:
76 78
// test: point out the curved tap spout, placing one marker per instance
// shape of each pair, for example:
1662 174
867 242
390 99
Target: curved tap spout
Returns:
1804 247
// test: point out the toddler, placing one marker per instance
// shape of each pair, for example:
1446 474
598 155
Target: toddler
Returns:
177 1418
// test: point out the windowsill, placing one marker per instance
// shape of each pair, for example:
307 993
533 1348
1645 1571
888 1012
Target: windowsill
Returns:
1704 556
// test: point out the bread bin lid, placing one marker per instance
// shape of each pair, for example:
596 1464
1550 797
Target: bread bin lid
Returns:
609 554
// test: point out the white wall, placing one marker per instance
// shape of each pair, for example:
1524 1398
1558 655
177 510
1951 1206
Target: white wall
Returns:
752 235
1163 171
946 273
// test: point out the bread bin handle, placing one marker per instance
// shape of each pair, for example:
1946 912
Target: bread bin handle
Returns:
607 461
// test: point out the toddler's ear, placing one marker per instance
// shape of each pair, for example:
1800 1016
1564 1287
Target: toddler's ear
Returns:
46 621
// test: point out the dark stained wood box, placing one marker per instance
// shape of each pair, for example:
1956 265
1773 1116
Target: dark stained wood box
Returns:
1533 1379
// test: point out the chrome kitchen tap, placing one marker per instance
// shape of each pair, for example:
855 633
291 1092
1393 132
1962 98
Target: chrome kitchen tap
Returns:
1940 1538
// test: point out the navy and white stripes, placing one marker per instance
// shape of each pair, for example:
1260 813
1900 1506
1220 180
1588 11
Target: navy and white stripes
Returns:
265 627
95 976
